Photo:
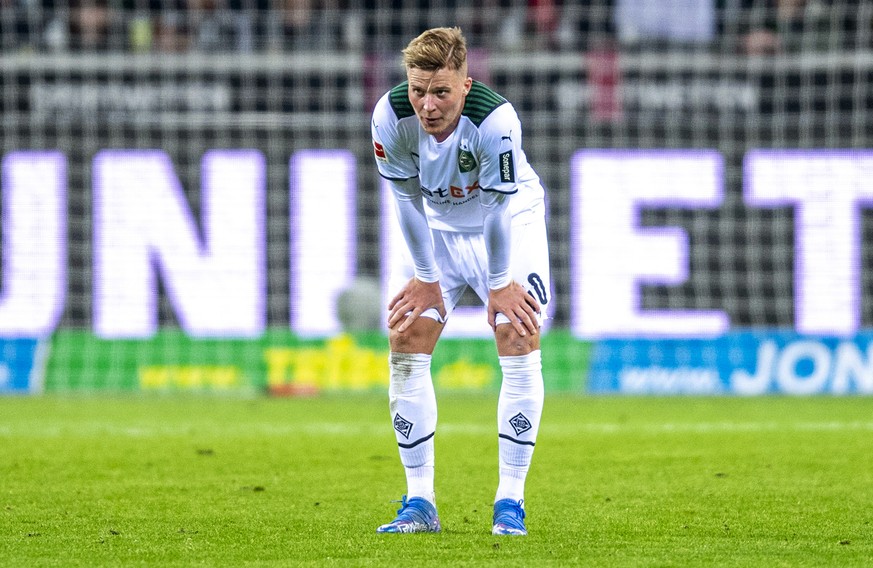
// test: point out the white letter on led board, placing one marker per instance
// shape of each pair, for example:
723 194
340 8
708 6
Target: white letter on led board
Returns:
215 281
826 188
34 243
612 256
323 237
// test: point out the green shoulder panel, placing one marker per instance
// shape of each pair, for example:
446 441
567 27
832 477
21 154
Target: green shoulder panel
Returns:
399 98
481 101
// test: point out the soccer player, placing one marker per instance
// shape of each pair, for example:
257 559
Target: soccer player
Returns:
472 213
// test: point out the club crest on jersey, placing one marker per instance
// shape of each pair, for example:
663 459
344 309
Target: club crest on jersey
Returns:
402 425
466 161
379 150
507 166
519 423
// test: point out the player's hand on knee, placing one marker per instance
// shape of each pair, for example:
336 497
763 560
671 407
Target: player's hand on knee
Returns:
517 305
414 299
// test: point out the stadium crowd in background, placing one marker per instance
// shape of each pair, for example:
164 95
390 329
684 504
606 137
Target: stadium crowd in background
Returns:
740 26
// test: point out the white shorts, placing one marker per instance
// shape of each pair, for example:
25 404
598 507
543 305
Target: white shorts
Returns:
463 261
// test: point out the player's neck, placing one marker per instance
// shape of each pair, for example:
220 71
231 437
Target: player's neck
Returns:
447 133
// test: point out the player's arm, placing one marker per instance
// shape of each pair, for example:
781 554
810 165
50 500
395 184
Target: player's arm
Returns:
392 152
499 146
423 291
505 296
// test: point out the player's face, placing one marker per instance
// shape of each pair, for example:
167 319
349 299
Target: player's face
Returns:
438 98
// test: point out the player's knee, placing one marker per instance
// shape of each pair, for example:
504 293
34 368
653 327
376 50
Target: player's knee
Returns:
510 343
402 342
420 337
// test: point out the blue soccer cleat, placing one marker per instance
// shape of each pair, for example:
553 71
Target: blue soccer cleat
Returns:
509 518
416 515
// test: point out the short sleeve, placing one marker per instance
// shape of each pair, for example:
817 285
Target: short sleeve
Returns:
392 147
499 150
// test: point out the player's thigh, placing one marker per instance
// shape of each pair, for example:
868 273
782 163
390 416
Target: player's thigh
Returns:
530 268
452 281
530 261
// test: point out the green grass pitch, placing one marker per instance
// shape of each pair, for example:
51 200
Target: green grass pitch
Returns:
212 481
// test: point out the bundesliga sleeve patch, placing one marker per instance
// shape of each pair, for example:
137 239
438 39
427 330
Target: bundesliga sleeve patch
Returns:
379 150
507 167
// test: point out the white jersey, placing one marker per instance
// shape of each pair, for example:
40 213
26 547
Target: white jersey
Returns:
482 154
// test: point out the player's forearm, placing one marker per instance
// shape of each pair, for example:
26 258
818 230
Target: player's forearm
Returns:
416 233
497 231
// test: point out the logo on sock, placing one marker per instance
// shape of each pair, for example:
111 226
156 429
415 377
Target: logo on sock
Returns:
519 423
404 426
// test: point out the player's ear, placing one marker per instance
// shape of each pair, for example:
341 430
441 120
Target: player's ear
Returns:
468 82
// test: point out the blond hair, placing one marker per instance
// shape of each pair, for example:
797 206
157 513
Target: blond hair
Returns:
435 49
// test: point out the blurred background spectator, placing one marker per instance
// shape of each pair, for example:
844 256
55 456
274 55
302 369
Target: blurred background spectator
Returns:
305 24
665 22
783 26
16 26
169 25
754 27
214 27
89 25
79 25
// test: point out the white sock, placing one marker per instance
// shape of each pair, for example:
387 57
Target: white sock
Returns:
519 408
412 402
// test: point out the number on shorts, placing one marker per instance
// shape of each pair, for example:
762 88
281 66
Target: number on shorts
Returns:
538 289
